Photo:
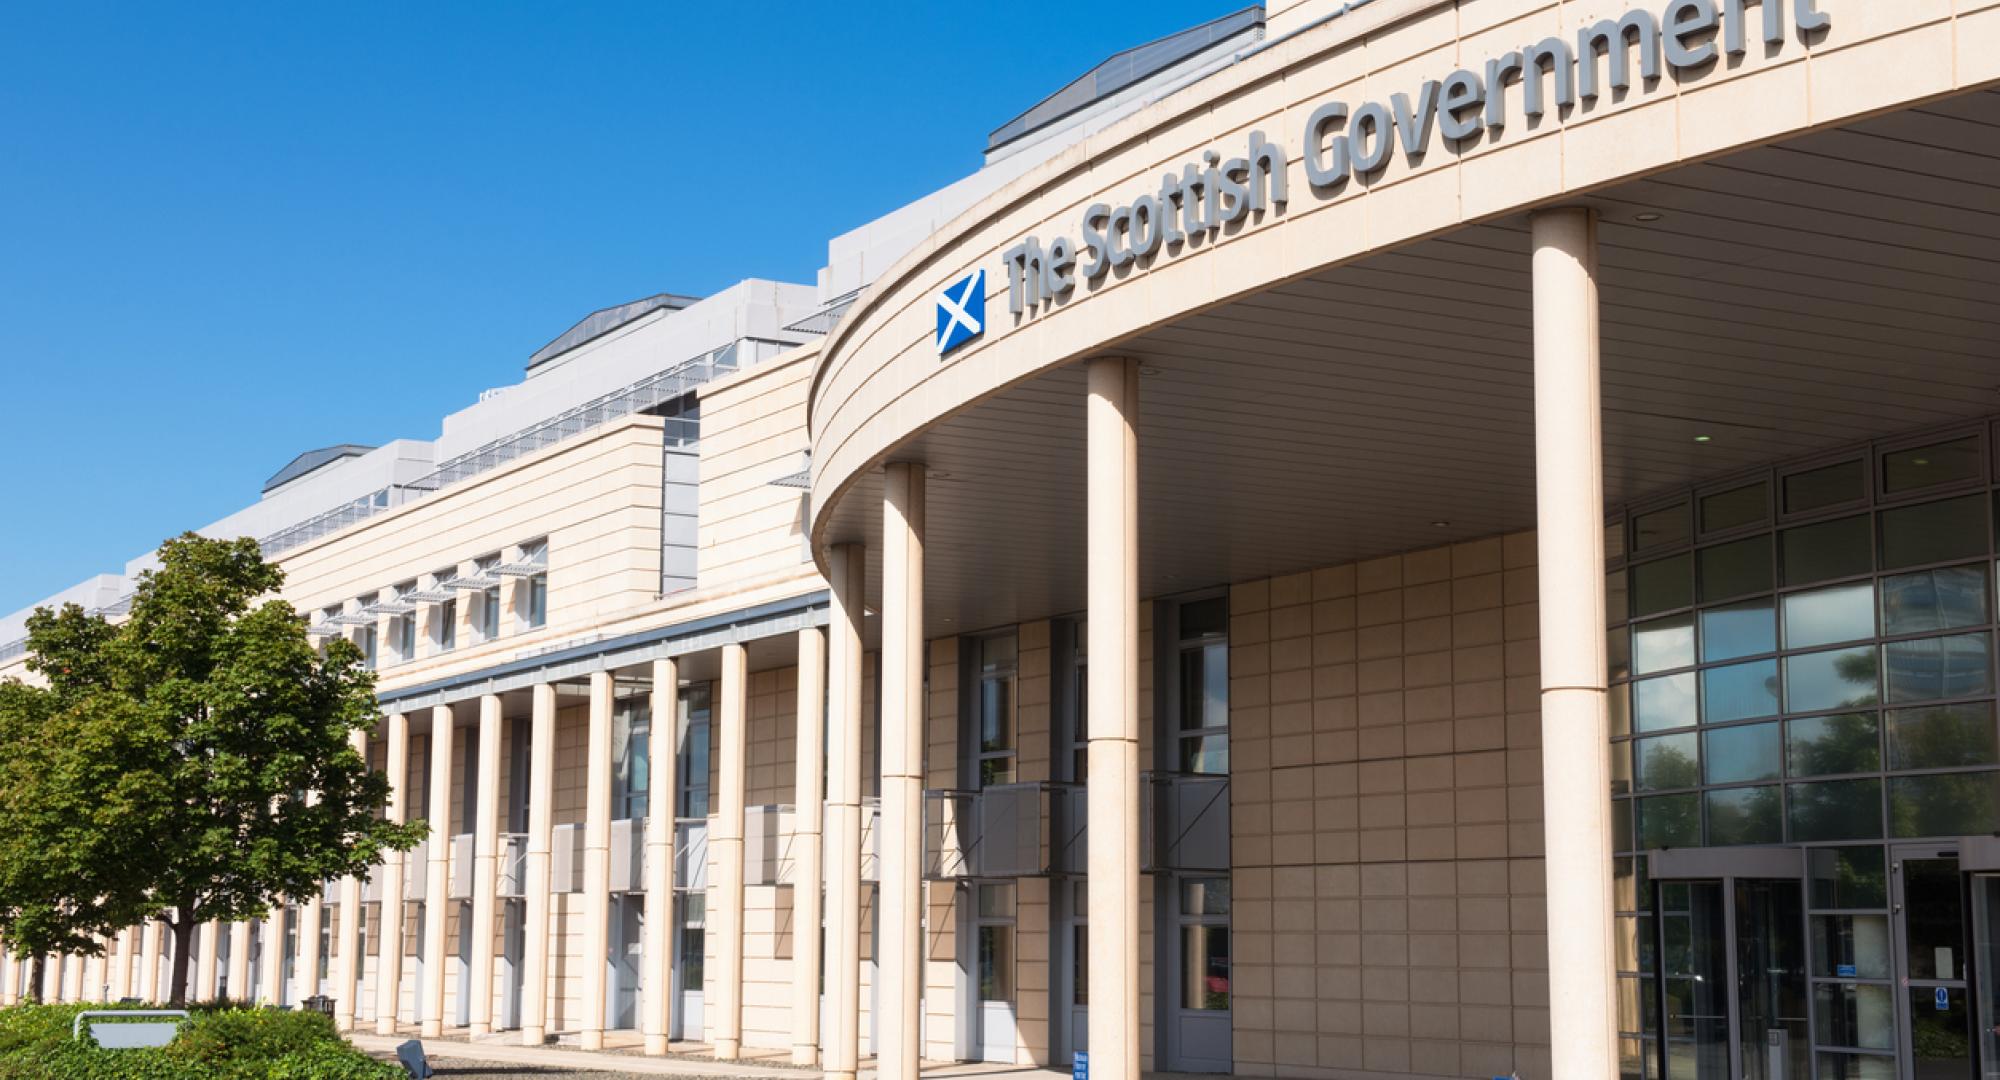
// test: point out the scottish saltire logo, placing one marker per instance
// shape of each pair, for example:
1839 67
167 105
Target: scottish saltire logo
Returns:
961 311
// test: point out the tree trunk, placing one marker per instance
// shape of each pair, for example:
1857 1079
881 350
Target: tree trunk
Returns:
35 964
184 930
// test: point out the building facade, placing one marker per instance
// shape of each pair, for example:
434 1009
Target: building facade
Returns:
1433 538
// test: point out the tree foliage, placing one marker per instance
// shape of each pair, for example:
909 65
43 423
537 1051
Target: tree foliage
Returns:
190 763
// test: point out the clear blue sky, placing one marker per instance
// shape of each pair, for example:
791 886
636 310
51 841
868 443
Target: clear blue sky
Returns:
229 233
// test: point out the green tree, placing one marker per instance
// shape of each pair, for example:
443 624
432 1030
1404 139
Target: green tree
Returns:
207 741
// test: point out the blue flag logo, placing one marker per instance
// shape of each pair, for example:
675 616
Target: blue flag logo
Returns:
961 311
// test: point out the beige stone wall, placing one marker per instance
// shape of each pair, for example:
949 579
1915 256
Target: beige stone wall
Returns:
1386 807
753 432
941 898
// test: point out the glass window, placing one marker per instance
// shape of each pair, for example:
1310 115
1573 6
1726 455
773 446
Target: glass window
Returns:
1663 585
1205 896
1934 532
996 963
1669 821
1934 600
1943 804
1825 616
1617 599
1848 877
1738 506
1836 810
1660 528
1620 707
1745 629
996 901
1942 737
1927 669
1828 485
1833 1065
1738 754
997 718
1618 653
1205 967
1929 466
445 618
1851 946
1204 618
1663 644
1832 549
538 601
1665 762
1665 702
1854 1014
1829 745
489 613
1836 679
1752 815
1736 569
1739 692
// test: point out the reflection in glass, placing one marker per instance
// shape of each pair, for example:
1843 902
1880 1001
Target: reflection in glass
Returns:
1855 1015
1205 896
1849 877
1738 506
1205 967
1664 702
996 963
1739 692
1618 653
1836 810
1619 705
1827 745
1927 669
1829 485
1934 600
1835 1066
1669 821
1736 569
1752 815
1738 755
1934 532
1940 1039
1832 549
1771 977
1933 920
1665 762
1617 600
1839 679
1942 736
1826 616
1663 644
1746 629
1851 946
1929 466
1663 585
1943 804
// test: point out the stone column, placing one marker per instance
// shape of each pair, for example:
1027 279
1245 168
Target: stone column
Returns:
274 954
485 858
900 892
596 864
725 846
389 959
210 935
311 915
149 961
438 885
1569 519
657 982
1112 528
808 870
121 969
239 963
535 935
847 570
347 947
72 978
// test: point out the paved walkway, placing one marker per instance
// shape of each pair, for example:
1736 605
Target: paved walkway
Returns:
500 1058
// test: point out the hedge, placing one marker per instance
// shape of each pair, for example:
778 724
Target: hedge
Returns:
222 1042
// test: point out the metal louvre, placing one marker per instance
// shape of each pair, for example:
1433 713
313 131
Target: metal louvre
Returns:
430 596
398 606
472 583
520 569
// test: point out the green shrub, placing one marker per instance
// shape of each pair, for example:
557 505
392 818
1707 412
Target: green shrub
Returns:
223 1042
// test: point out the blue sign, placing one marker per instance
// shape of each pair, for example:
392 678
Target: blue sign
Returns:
1845 971
1943 999
961 311
1080 1070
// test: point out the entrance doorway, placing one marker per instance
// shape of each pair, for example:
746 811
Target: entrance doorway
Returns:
1825 963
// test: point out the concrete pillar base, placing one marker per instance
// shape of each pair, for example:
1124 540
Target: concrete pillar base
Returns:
727 1050
593 1040
432 1029
656 1045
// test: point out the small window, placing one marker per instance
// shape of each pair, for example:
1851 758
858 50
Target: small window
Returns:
1737 569
1828 485
1956 461
1203 685
538 601
1663 585
996 717
1934 532
1658 529
1746 505
446 616
1833 549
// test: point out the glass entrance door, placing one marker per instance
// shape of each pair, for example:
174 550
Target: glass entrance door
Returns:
1986 962
1933 1011
1732 980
